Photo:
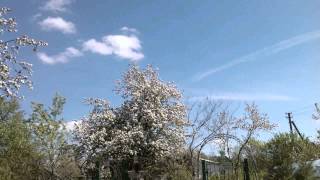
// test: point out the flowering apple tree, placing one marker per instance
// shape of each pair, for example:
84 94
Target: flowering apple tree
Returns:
13 73
148 126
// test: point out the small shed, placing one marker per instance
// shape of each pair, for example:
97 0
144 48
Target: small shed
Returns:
214 168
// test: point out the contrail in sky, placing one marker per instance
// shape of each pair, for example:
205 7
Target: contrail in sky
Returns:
269 50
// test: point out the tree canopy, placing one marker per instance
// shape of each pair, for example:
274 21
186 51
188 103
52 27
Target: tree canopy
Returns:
148 126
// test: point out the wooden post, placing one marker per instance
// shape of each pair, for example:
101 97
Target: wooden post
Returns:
246 169
204 170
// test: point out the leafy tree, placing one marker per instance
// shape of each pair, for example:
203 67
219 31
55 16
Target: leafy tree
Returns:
305 171
13 73
18 154
49 132
147 127
68 165
281 159
9 109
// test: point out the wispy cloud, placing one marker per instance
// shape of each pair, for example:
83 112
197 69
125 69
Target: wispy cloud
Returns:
56 5
129 30
57 24
267 51
243 97
62 57
36 16
124 46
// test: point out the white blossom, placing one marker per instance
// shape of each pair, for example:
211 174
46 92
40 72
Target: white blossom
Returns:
149 124
14 73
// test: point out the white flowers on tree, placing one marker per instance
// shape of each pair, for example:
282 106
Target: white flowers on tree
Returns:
13 73
149 125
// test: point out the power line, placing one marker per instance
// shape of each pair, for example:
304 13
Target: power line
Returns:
303 109
306 112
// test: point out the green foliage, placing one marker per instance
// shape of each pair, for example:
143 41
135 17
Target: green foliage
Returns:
68 166
9 110
181 173
174 169
281 156
49 132
18 156
305 172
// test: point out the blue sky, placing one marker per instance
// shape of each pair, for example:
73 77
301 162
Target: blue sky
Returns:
241 51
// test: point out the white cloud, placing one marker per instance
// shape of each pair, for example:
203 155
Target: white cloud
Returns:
94 46
267 51
62 57
71 125
36 16
57 24
57 5
243 97
123 46
130 30
127 47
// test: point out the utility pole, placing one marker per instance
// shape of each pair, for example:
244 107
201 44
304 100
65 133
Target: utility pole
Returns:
289 116
291 122
316 116
296 128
